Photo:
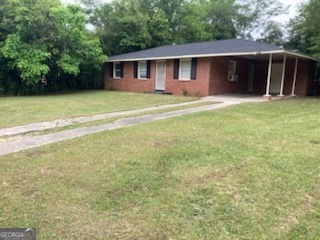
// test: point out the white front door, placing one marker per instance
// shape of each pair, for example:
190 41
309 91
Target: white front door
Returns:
276 77
161 75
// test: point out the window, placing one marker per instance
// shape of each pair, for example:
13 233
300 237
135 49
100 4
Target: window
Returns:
232 69
143 69
185 69
117 70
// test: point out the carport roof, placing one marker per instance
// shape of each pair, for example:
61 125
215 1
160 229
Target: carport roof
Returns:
231 47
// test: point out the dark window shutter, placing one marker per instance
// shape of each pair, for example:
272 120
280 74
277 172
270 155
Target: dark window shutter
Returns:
176 69
148 68
135 69
193 68
111 69
121 69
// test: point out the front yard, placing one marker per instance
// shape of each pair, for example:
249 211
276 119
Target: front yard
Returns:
23 110
250 171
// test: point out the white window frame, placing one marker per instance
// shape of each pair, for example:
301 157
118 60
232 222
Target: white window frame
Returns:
115 70
180 69
139 70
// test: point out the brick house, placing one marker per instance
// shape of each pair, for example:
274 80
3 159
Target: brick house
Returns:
211 68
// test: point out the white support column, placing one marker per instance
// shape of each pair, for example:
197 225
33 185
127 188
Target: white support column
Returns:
295 78
283 75
267 95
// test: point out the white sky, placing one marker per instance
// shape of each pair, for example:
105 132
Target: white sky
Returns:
293 7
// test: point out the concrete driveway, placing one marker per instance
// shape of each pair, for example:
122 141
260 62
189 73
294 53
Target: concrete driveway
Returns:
21 142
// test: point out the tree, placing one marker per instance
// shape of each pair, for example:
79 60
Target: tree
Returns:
122 26
253 15
158 26
27 58
7 26
48 40
304 32
273 34
131 25
72 46
125 26
221 17
192 24
130 31
26 28
172 10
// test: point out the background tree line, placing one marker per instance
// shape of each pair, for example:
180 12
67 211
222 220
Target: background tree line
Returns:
46 46
130 25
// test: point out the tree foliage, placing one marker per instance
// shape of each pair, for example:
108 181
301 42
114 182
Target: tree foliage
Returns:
273 34
26 58
254 15
45 40
304 33
129 25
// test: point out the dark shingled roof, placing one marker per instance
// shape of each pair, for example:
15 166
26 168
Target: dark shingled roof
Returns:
201 48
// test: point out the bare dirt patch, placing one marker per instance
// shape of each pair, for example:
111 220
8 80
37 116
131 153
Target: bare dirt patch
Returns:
293 219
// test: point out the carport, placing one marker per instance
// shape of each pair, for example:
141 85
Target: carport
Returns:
284 69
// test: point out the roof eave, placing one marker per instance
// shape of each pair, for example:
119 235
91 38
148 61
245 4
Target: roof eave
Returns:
282 51
301 55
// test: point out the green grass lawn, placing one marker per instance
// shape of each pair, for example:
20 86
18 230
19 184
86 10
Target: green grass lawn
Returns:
23 110
250 171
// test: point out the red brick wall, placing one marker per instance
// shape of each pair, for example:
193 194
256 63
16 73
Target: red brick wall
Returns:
219 83
128 82
199 86
305 77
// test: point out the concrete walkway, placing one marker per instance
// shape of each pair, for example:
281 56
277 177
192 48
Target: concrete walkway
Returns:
34 127
26 142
